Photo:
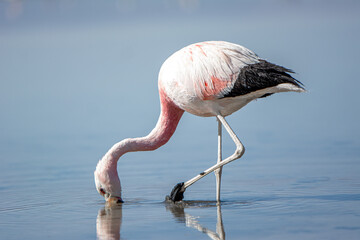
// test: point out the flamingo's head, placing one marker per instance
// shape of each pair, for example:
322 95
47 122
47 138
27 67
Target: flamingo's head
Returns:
107 182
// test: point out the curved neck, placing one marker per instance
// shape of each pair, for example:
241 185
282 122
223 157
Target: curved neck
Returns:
169 118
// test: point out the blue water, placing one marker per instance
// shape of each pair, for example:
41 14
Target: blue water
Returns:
78 76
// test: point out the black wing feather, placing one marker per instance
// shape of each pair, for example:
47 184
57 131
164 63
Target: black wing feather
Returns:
259 76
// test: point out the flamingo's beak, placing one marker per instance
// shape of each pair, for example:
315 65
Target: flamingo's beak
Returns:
114 200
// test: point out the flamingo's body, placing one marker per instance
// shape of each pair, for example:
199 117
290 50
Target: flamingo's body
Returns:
206 79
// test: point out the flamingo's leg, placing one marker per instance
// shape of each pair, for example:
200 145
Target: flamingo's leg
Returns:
237 154
179 189
218 171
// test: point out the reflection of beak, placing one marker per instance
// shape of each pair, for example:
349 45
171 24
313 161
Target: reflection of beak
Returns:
114 200
108 222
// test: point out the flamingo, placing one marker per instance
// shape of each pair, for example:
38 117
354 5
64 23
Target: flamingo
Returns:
207 79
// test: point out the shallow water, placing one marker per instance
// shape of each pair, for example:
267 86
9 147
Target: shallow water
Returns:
286 201
78 77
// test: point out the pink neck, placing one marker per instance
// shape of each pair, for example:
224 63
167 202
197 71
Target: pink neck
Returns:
169 118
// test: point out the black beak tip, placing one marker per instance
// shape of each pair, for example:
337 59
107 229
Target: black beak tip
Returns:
177 193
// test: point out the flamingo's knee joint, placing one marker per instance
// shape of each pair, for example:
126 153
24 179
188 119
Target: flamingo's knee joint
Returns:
239 152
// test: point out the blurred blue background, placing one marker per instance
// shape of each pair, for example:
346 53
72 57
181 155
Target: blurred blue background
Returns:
71 69
77 76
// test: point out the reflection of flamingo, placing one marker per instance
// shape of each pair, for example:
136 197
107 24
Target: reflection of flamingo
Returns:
178 211
205 79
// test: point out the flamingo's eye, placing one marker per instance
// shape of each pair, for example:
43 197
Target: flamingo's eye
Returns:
102 191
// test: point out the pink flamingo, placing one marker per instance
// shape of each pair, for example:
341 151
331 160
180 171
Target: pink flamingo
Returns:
206 79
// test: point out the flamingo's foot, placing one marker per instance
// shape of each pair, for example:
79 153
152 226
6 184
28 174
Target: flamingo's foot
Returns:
177 193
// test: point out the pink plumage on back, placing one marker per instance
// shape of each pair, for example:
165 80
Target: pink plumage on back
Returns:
215 88
206 70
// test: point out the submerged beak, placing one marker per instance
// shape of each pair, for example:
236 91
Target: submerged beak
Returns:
114 200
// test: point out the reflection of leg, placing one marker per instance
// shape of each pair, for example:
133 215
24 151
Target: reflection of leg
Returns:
193 223
218 171
219 225
190 221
